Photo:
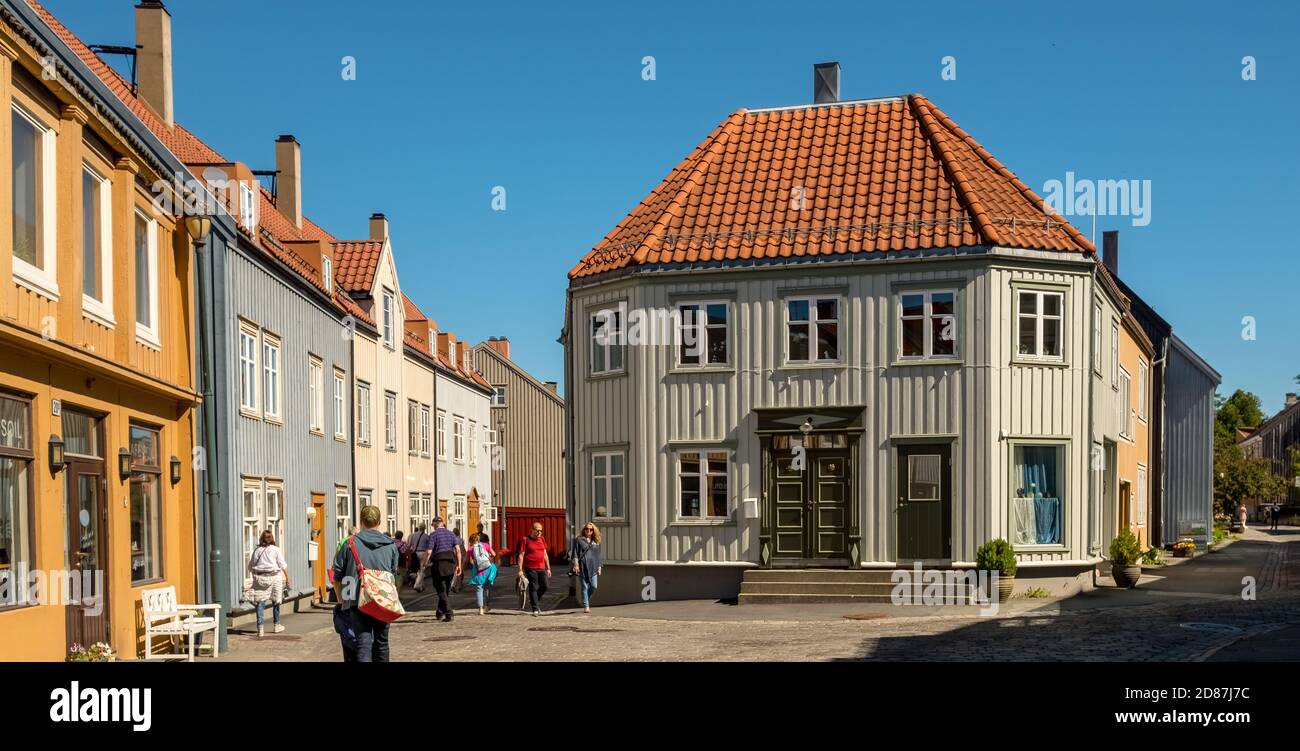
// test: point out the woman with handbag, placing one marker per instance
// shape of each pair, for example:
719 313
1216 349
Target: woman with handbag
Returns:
586 562
483 562
270 574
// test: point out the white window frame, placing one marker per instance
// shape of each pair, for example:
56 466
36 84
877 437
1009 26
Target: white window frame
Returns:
1039 316
342 521
247 206
316 395
458 439
101 310
250 373
251 523
608 479
412 427
424 430
327 273
340 405
388 321
473 443
812 323
1063 481
441 437
703 332
274 522
1144 378
1114 354
489 437
1096 338
43 280
602 355
390 421
927 318
705 492
363 413
272 391
459 512
149 334
499 395
1125 403
391 513
1140 518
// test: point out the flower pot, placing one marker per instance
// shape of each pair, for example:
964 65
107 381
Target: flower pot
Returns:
1126 577
1005 585
1182 552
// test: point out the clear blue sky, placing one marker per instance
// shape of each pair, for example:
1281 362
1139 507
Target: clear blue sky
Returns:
547 100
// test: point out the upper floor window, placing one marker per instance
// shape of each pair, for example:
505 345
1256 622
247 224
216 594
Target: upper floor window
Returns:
271 376
702 334
1124 404
702 484
1114 355
390 421
1096 338
96 245
1144 381
412 427
812 329
316 394
327 273
146 278
606 342
424 430
929 324
363 413
248 208
340 407
458 439
247 367
1039 324
388 319
498 396
473 443
442 435
33 186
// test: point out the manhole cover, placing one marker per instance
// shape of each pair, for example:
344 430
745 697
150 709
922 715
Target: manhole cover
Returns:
863 616
1214 628
461 637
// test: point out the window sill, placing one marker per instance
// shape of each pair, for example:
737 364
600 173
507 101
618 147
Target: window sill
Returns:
706 522
697 369
828 365
1030 361
274 420
1023 549
341 438
606 374
97 312
922 361
33 279
316 432
250 414
611 521
147 337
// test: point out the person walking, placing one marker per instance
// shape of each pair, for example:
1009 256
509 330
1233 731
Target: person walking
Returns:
445 556
534 566
483 537
458 583
270 574
1275 514
376 552
585 555
419 560
483 562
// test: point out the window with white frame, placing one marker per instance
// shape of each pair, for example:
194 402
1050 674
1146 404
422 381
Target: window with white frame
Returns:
1140 514
389 319
812 327
473 443
442 435
459 510
340 405
248 375
1096 337
1037 500
252 522
271 376
607 485
498 396
702 484
316 393
424 430
96 245
342 513
928 322
390 421
606 342
146 279
702 334
1144 382
1124 402
412 427
363 413
275 510
1039 324
327 273
458 438
33 196
1114 355
247 206
390 514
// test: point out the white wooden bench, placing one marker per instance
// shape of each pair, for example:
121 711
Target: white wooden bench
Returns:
163 616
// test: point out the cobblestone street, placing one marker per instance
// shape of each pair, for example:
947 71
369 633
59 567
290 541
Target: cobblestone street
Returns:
1180 617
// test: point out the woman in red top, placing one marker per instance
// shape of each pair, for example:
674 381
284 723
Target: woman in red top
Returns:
534 566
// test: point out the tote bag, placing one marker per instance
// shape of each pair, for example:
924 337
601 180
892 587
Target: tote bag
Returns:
378 596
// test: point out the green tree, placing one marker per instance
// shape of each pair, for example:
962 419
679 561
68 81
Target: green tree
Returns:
1241 410
1238 477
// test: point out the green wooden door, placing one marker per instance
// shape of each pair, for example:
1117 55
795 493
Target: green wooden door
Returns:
924 502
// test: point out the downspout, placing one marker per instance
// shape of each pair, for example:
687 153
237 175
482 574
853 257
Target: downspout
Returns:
1094 545
217 581
566 335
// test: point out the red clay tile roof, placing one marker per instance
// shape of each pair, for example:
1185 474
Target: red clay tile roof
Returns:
881 175
355 262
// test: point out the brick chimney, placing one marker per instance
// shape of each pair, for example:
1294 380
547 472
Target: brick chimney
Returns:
552 386
153 57
378 227
1291 399
288 181
501 345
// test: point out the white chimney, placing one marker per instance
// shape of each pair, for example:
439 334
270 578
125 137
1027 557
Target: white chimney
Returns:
288 180
153 57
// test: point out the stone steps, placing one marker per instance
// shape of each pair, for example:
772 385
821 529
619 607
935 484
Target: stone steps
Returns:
813 586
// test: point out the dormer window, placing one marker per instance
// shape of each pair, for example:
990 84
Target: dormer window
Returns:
327 273
247 206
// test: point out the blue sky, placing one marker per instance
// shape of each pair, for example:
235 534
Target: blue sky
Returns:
547 101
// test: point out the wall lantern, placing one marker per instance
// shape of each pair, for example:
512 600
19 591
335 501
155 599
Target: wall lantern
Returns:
123 463
57 461
176 470
807 426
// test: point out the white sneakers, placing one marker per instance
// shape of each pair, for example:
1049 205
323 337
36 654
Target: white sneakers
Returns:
279 628
261 632
480 611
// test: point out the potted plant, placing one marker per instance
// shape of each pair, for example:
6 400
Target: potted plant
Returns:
1125 553
97 652
1184 548
998 555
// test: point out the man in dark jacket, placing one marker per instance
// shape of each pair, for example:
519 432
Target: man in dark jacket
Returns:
377 553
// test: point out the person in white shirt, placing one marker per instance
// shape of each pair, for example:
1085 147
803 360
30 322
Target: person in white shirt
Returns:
270 580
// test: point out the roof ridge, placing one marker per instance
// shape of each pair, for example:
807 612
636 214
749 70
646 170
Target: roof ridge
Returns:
930 125
689 185
987 157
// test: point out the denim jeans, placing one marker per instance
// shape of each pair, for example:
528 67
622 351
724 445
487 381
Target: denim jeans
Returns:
372 637
588 589
442 584
275 613
483 593
536 586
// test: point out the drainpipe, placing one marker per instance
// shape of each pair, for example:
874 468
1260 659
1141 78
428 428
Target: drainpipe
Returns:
217 579
571 500
1096 508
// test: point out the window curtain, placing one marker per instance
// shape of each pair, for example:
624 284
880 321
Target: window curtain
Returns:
1038 502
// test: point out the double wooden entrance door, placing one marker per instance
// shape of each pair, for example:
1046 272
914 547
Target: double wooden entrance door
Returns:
813 491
